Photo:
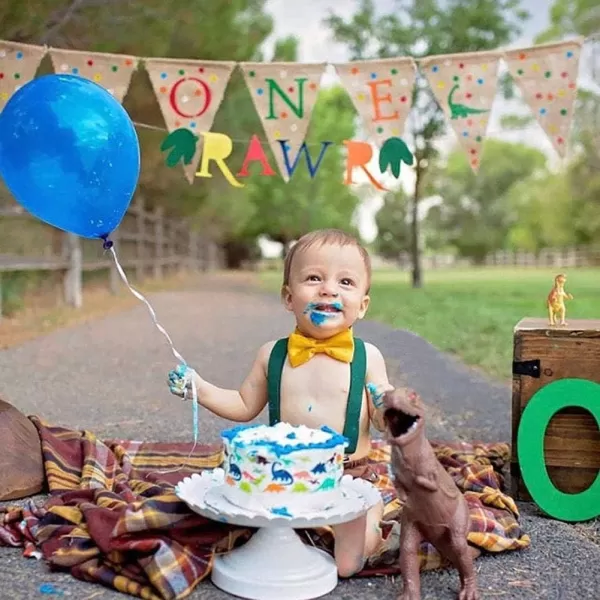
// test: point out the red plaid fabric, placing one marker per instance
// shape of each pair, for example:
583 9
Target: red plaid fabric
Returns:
112 516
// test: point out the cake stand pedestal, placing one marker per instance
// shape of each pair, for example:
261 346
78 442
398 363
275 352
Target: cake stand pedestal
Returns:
274 564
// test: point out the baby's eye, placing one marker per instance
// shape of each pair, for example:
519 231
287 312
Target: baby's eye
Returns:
313 278
347 281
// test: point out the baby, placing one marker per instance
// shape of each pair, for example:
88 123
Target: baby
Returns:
306 379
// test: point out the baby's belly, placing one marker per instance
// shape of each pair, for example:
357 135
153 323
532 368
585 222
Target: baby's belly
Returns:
316 412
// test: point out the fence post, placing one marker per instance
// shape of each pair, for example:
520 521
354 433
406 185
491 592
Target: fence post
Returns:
159 242
72 282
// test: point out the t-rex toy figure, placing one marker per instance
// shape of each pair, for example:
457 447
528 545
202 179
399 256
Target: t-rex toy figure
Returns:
21 460
556 300
434 508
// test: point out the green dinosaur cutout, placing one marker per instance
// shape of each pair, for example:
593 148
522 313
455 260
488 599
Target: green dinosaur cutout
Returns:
458 111
328 484
245 487
182 145
300 487
392 154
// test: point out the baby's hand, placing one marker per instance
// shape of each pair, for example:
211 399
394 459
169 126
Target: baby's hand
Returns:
377 392
179 380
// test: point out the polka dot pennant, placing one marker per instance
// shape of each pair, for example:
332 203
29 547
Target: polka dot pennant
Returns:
381 91
547 78
189 94
464 86
18 65
112 71
284 95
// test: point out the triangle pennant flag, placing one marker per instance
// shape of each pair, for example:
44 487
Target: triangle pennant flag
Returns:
284 95
465 87
18 66
381 91
189 93
112 71
547 78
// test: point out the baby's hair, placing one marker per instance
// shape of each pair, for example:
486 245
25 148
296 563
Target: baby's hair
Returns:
322 237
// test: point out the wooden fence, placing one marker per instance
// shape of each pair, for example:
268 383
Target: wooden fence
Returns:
147 244
550 257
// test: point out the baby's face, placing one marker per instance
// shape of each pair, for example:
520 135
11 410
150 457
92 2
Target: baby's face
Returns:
327 289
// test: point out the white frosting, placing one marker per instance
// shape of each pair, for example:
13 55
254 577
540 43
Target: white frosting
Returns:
280 433
283 469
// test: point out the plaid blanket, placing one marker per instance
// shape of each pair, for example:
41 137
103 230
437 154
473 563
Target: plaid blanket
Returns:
112 516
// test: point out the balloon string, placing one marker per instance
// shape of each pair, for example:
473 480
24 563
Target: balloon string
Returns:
108 245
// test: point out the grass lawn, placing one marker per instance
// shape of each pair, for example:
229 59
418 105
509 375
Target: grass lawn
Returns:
472 312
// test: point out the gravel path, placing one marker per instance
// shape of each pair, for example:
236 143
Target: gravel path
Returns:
108 376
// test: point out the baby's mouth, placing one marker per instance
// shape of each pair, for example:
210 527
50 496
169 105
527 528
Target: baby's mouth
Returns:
325 307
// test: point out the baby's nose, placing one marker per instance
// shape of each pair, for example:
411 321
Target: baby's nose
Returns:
329 289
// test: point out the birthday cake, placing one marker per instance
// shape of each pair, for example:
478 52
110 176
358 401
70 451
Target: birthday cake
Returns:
283 469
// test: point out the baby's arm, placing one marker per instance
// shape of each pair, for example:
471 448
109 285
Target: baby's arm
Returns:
242 405
377 385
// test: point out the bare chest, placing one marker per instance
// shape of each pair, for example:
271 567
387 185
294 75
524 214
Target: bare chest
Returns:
316 393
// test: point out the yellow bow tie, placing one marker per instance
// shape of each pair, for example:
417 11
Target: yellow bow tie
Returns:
301 348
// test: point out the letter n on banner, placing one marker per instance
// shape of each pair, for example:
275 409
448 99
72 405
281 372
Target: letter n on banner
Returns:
189 93
284 95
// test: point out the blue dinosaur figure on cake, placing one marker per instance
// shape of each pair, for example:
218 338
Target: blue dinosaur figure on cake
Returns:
234 471
281 475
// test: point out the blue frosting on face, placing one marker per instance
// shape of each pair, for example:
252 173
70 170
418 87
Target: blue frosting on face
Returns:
279 449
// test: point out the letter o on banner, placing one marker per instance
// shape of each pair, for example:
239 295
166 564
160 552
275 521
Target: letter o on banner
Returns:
530 448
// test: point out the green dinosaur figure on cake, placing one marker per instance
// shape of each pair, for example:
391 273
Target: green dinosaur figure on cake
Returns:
182 146
459 111
328 484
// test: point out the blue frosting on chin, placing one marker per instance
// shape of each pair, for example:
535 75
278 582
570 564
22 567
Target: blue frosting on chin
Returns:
279 449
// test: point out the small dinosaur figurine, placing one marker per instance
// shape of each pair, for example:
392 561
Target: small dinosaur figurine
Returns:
182 145
393 153
556 300
458 111
434 508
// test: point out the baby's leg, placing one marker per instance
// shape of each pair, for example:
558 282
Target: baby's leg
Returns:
357 540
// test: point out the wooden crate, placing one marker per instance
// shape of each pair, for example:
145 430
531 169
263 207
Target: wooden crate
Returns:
543 354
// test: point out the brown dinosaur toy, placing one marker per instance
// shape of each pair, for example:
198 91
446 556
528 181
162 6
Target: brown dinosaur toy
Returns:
21 460
434 508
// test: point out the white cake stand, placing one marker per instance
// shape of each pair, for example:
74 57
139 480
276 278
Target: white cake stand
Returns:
274 564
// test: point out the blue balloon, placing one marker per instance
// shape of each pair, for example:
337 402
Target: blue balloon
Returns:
69 153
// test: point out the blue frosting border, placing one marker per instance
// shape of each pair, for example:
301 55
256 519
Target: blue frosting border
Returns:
335 440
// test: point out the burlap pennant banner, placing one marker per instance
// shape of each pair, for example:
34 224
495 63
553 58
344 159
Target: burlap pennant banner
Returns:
112 71
189 93
284 95
465 87
381 91
547 78
18 65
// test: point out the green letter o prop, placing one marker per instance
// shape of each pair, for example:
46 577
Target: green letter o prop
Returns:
538 413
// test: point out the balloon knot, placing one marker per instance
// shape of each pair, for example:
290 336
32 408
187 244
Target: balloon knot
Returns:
107 245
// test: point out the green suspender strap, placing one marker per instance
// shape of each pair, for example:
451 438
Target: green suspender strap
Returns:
358 372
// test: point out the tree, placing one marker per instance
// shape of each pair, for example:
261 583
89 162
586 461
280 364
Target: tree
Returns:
475 215
393 225
420 28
